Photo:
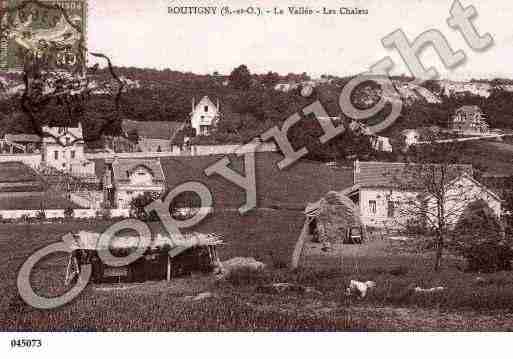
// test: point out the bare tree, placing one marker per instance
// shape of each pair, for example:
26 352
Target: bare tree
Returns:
435 189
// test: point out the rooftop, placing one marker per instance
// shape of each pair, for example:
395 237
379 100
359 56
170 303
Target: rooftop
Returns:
390 174
123 167
36 201
159 130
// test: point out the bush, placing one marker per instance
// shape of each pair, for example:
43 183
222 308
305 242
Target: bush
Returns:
138 205
489 256
479 238
68 213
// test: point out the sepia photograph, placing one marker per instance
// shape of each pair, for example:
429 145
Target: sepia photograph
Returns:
312 167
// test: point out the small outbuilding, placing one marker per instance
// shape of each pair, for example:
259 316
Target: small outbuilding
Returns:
162 259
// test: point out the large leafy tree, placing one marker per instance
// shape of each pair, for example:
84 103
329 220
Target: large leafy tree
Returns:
240 78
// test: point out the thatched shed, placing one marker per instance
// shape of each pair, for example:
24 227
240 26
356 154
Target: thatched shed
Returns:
329 220
330 217
160 258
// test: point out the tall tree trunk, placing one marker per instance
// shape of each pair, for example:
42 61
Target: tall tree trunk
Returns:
439 245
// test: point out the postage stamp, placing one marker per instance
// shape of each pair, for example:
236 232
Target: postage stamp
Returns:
35 26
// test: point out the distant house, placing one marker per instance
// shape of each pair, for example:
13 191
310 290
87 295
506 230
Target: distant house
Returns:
381 189
152 136
469 120
411 136
286 86
31 143
204 116
381 144
126 179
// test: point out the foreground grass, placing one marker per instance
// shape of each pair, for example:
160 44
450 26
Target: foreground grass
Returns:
239 304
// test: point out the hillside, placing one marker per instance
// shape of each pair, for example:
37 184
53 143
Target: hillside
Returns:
251 107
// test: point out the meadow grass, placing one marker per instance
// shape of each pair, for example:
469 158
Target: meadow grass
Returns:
237 305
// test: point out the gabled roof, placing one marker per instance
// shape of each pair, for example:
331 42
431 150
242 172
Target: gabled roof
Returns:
394 175
469 108
158 130
205 100
123 168
477 183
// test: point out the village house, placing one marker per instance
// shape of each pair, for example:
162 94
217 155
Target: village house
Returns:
469 120
125 179
383 191
204 116
154 136
63 148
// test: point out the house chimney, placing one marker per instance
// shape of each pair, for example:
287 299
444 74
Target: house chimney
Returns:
193 105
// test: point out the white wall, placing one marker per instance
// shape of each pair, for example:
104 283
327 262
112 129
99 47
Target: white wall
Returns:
204 114
196 150
381 197
460 195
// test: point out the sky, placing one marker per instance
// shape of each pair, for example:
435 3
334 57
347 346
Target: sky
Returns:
141 33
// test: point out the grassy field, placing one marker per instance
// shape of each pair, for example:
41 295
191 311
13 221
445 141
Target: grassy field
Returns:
239 304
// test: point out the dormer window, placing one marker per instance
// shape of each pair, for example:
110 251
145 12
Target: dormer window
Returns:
68 141
206 108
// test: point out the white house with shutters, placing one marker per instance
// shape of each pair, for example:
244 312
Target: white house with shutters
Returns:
390 194
63 149
204 116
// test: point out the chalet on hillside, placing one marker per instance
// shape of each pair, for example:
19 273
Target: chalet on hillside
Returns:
204 116
469 120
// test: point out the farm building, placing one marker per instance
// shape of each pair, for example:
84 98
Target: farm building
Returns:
161 258
332 216
154 136
383 191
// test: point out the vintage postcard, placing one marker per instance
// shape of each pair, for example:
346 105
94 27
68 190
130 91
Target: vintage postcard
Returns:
267 166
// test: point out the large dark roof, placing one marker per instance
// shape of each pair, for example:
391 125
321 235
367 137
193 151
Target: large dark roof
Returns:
36 201
159 130
22 137
388 174
18 177
303 182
